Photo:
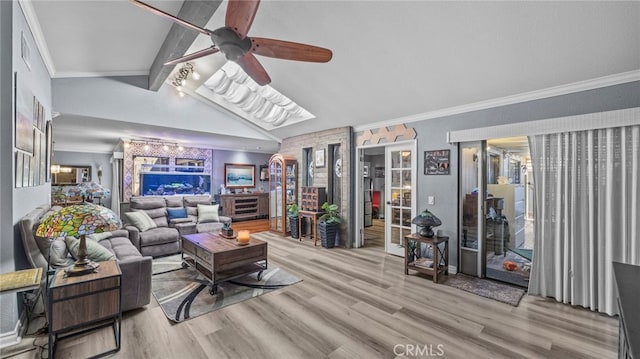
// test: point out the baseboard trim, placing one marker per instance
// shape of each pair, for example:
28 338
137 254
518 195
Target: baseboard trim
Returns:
13 337
453 269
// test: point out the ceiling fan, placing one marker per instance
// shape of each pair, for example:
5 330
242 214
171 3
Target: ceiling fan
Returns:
233 42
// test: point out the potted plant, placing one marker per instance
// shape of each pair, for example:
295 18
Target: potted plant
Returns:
329 225
292 213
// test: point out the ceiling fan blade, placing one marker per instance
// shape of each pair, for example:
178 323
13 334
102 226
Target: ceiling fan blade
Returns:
240 14
254 69
289 50
193 56
168 16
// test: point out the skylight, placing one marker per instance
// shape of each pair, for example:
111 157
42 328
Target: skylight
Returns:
231 88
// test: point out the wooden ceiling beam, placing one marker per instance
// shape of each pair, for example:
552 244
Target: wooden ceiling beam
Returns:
179 39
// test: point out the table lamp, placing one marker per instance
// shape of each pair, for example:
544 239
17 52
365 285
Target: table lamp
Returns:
425 220
79 219
92 189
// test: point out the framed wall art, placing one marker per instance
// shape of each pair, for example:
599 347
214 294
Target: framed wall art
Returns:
436 162
239 175
19 166
319 159
48 150
24 117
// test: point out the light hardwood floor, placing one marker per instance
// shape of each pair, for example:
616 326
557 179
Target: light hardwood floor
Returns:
357 303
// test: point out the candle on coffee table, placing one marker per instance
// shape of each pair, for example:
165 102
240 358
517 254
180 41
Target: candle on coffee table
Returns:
243 236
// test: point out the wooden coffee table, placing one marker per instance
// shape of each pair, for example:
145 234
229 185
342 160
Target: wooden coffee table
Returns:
220 259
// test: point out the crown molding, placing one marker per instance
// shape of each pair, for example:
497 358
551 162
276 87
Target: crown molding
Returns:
599 82
38 36
74 74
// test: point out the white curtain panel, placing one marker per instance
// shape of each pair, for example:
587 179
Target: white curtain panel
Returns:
587 208
115 191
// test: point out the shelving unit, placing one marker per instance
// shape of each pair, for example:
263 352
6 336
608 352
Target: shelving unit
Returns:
244 205
283 191
312 198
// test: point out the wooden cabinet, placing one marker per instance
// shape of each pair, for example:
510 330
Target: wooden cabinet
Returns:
312 198
283 191
513 210
244 205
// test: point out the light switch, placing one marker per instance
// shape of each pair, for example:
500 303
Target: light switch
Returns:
431 200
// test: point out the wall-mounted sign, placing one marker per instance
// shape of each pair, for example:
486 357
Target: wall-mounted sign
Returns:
436 162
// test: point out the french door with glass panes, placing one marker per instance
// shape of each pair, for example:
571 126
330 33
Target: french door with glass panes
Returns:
400 179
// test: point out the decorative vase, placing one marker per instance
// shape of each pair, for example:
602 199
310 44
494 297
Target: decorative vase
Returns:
328 233
295 231
293 224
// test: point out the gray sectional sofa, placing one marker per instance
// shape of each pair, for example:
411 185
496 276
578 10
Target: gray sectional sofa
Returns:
164 239
136 269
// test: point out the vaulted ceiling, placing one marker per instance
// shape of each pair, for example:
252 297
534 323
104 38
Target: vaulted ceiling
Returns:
391 59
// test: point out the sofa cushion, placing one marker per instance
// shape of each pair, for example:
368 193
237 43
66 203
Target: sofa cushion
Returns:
158 235
209 227
95 251
208 213
174 213
173 201
121 247
147 202
191 203
141 220
159 216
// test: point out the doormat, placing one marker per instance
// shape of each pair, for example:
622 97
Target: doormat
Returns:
486 288
184 293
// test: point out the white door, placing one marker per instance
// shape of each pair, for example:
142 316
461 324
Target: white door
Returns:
400 195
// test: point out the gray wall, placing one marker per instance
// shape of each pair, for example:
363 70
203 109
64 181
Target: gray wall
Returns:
432 136
127 99
220 157
94 160
16 202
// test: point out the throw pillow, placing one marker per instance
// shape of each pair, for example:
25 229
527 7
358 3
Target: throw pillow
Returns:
95 251
59 255
208 213
141 220
176 213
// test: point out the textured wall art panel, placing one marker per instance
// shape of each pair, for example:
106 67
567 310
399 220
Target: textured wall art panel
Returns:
157 150
385 135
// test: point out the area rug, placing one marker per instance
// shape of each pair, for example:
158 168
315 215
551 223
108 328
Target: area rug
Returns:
166 264
184 293
486 288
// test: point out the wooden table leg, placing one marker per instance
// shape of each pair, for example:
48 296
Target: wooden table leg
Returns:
436 263
314 223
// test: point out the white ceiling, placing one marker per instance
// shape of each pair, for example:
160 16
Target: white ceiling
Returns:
392 59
